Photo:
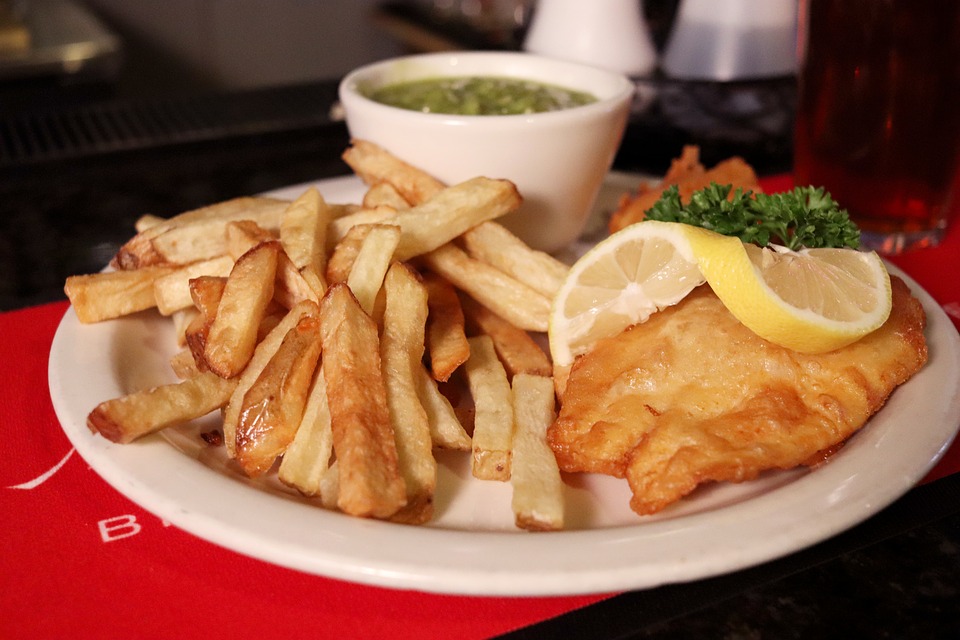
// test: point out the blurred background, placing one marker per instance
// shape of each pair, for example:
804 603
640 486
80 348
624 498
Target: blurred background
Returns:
114 108
60 53
148 48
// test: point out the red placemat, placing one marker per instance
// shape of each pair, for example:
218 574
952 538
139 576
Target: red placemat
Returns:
80 560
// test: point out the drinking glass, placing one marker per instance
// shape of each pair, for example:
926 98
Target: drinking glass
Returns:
878 117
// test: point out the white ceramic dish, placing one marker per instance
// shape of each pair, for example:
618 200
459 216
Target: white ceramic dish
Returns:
557 159
612 34
472 546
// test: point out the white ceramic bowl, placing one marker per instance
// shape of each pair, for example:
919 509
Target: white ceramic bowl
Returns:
557 159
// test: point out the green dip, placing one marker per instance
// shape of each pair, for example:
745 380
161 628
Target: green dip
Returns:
479 96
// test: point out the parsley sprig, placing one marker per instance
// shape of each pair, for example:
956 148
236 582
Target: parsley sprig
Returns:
805 217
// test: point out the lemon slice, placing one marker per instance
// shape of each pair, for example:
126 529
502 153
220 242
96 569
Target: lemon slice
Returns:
811 300
621 281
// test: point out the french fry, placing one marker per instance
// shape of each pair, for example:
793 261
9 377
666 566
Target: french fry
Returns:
195 335
374 164
303 230
537 487
339 227
132 416
434 222
183 364
339 209
371 264
112 294
446 341
205 238
172 291
518 352
243 235
330 486
264 211
445 428
303 234
494 244
451 212
307 458
185 228
493 424
505 296
290 287
370 483
314 280
384 194
273 406
345 253
249 289
205 292
262 355
181 321
401 354
275 313
138 252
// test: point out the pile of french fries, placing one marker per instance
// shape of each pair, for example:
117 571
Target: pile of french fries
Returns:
331 337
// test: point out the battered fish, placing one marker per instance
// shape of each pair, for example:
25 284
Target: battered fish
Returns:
693 396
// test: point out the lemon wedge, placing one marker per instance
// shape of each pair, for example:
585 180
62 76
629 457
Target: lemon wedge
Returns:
619 282
811 300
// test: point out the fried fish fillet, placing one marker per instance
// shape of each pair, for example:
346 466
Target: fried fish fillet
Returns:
693 396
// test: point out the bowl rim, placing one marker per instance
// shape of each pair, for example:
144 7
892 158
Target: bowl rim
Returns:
622 92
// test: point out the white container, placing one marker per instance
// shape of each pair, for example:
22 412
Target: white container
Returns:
557 159
732 40
611 34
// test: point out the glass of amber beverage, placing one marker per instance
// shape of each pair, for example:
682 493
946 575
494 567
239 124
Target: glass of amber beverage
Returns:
878 117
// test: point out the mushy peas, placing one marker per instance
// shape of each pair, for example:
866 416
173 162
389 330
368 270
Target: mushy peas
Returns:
479 96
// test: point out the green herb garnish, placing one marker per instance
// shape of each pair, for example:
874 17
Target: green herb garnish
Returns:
805 217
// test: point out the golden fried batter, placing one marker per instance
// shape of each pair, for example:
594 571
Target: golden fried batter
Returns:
693 396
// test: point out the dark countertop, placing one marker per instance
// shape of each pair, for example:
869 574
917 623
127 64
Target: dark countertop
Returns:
894 576
897 575
74 179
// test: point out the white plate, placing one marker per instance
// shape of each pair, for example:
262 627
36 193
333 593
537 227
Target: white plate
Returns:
472 546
